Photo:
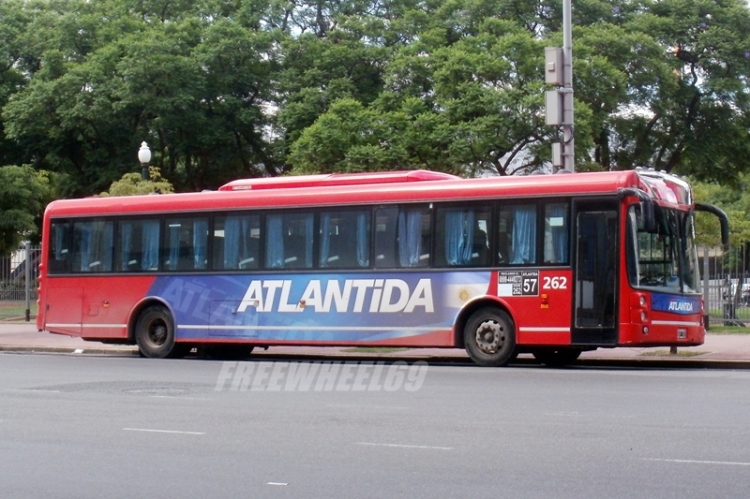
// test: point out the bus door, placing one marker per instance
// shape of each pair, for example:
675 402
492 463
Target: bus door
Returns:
595 297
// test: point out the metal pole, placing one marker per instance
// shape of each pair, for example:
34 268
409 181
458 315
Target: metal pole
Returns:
706 278
28 281
568 141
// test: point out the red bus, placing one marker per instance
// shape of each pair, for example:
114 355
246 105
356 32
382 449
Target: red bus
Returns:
552 265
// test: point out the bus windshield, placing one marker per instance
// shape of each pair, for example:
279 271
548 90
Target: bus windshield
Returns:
664 258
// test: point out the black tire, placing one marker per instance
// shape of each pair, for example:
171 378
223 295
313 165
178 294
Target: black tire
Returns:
560 357
490 337
225 351
154 334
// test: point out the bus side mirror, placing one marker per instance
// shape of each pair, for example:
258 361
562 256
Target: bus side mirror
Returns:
647 212
647 206
723 219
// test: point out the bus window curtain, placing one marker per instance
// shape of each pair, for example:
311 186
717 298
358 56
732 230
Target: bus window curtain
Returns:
200 243
275 242
325 239
246 253
107 233
126 243
85 246
309 236
524 235
59 241
459 237
559 235
409 237
363 234
232 236
150 245
174 246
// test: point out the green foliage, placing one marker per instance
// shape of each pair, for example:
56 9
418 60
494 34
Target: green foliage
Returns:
734 200
24 193
224 90
132 184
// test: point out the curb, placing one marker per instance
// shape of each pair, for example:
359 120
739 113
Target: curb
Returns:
68 350
638 363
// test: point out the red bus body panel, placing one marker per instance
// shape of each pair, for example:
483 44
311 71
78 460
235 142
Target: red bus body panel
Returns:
104 307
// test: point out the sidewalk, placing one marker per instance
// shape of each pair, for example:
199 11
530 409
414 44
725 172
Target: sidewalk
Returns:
719 350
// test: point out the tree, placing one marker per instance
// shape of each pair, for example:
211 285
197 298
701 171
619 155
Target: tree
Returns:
223 90
24 193
698 118
114 74
133 184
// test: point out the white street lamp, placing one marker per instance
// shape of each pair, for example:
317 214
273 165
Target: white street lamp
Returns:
144 156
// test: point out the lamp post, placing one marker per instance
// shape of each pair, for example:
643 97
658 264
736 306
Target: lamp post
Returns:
144 156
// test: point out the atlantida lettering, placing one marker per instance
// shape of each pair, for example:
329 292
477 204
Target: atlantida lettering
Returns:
356 295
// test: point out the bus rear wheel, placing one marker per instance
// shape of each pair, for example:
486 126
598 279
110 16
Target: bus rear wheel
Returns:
490 337
557 358
154 333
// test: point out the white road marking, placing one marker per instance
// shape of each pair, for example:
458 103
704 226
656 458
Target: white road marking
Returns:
33 390
165 431
179 397
404 446
696 461
276 483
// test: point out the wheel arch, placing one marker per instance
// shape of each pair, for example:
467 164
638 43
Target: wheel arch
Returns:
140 307
468 310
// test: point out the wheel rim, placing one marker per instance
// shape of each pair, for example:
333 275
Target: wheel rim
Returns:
490 336
157 333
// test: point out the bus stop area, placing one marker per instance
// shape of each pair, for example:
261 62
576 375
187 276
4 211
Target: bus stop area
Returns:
727 351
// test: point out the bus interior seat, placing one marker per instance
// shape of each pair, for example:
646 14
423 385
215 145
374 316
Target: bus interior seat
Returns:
479 248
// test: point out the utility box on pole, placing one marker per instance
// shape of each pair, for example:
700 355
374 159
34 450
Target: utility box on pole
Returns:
554 107
553 66
557 155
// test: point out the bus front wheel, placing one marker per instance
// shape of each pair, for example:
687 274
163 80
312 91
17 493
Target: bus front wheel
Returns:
490 337
154 333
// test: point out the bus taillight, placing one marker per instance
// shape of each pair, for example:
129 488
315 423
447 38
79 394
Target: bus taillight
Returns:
639 306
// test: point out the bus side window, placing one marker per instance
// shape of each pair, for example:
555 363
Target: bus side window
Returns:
344 239
289 241
556 229
236 242
402 237
461 237
138 249
60 260
516 235
93 243
186 244
385 237
413 241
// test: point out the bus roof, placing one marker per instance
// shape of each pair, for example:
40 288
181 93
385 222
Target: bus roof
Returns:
513 187
335 179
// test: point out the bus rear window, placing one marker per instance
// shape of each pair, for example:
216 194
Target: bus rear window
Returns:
81 246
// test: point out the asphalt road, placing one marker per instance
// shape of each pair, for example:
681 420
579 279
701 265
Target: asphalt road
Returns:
108 427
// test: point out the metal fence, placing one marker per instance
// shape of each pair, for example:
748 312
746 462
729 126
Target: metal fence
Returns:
726 284
19 272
